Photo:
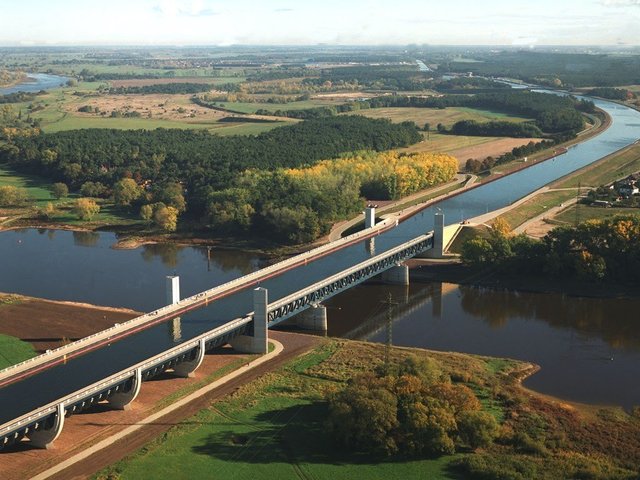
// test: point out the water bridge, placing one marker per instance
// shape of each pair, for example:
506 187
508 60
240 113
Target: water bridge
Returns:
248 333
35 396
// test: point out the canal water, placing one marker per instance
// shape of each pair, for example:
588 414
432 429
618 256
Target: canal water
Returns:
589 349
35 83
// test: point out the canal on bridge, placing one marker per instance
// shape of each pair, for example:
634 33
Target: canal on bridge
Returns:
108 275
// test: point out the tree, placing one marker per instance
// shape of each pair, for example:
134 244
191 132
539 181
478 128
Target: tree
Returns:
477 429
146 213
86 208
47 212
125 192
94 189
166 218
171 194
11 196
59 190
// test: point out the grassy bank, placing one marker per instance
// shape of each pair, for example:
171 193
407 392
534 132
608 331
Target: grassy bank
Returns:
275 428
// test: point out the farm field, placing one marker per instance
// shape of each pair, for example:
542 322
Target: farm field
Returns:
433 116
465 147
250 107
58 111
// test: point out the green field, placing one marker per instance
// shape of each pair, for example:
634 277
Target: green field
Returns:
447 143
606 171
433 116
274 428
13 350
586 212
536 206
37 187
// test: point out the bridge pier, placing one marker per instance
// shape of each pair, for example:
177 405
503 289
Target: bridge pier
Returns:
259 341
44 438
187 369
122 400
314 318
398 275
173 289
370 216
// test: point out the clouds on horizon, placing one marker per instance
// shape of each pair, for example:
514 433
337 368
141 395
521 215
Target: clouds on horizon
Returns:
215 22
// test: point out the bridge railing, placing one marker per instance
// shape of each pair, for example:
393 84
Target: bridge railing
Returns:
119 377
165 312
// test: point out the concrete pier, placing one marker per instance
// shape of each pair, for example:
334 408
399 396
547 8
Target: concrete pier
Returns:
187 369
44 438
259 341
122 400
398 275
370 216
173 289
314 318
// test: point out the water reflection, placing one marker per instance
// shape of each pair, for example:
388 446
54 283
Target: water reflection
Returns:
85 239
610 319
588 348
167 253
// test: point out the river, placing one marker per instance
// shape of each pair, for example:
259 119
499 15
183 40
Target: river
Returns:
544 329
35 83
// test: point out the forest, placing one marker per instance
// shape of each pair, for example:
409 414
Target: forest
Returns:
566 70
162 88
208 169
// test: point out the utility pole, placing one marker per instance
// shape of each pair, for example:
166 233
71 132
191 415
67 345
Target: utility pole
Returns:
578 205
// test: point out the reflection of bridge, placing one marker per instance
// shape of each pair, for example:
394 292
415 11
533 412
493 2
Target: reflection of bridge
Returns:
43 423
406 305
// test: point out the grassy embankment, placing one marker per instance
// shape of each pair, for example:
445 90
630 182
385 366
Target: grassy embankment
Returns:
607 170
274 428
13 350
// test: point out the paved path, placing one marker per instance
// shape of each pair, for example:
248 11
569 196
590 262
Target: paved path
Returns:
339 228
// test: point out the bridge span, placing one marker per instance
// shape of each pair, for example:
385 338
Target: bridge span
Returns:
35 396
43 424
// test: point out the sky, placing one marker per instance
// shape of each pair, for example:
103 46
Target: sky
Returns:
308 22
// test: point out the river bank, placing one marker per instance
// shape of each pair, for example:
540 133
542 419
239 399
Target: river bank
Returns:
49 324
424 270
284 413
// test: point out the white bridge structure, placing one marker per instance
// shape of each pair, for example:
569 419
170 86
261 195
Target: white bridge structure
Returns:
249 333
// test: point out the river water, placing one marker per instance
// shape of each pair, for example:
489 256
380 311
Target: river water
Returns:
588 348
36 82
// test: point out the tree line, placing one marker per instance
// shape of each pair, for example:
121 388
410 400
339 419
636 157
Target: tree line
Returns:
494 129
298 204
163 88
552 114
596 250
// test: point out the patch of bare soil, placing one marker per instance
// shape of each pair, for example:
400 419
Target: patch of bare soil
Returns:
163 107
494 148
48 324
343 95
